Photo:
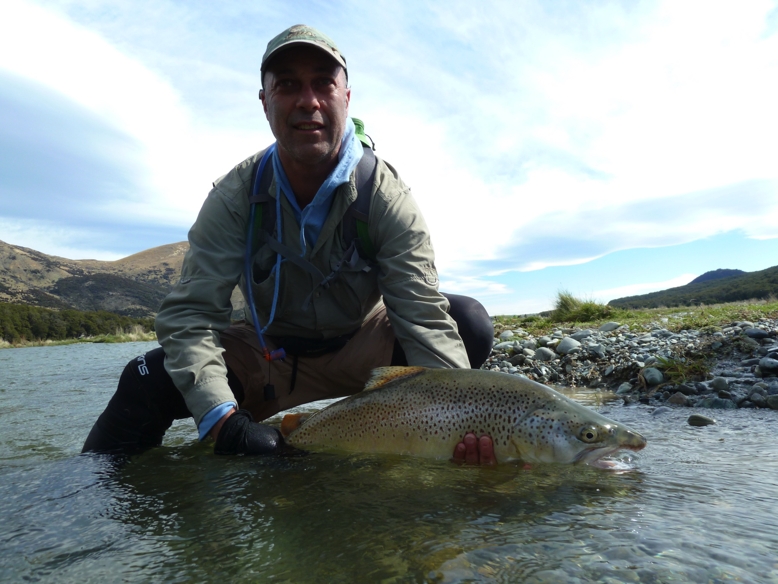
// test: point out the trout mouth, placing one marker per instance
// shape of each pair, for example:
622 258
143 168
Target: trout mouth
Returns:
593 456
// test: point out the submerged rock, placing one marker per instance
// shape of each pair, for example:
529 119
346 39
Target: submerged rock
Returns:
698 420
717 403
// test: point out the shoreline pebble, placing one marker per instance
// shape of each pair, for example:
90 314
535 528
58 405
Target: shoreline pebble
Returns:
645 364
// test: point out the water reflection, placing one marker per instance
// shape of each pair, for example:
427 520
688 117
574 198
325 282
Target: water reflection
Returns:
697 506
371 518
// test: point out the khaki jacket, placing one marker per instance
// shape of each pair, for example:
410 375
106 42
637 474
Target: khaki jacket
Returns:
198 308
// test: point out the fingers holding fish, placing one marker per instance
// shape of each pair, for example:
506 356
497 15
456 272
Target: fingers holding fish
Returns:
474 451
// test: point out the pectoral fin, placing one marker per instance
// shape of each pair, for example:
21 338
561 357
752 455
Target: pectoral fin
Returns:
291 422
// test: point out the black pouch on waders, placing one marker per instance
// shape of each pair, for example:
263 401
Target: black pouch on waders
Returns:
301 347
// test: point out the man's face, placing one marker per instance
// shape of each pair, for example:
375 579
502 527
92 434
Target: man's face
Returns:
306 102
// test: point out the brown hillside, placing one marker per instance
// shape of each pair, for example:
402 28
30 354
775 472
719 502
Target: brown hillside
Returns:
133 286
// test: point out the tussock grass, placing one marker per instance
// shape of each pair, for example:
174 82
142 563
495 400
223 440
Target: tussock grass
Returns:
568 308
682 369
589 314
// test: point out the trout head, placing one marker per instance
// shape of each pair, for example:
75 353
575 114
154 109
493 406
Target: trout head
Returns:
569 433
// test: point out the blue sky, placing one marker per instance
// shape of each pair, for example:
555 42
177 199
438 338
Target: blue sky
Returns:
604 148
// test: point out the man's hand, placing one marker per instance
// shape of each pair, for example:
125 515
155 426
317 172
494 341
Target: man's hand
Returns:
474 450
239 434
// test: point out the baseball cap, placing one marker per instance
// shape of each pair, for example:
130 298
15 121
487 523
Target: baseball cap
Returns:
302 34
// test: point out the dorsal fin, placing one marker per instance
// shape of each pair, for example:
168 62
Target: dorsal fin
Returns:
381 376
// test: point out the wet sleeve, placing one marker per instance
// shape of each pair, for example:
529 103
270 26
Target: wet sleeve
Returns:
198 308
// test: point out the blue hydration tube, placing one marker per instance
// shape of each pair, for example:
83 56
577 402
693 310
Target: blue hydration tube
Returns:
266 353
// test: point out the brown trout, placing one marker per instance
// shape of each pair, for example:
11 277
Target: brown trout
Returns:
426 412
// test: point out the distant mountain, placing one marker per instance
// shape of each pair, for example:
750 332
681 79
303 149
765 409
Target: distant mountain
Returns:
132 286
710 288
716 275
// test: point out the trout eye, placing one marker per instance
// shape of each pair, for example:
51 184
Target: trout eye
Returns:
588 434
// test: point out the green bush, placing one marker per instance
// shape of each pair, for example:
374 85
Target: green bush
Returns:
21 323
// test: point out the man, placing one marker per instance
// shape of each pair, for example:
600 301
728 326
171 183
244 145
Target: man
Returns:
337 314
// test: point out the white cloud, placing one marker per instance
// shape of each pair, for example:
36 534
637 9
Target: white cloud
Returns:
550 117
46 235
183 155
641 288
523 128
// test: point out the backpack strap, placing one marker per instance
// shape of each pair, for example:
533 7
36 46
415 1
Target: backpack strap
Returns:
265 215
355 221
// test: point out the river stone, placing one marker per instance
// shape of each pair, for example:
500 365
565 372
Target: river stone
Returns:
609 326
717 403
772 402
687 389
544 340
719 384
768 365
567 345
528 353
530 345
678 399
517 359
504 346
580 335
698 420
598 350
653 376
505 335
625 387
545 354
757 333
758 399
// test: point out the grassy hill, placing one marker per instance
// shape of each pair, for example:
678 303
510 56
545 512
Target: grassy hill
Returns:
133 286
760 285
717 275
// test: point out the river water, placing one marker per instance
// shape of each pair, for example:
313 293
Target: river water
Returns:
696 505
